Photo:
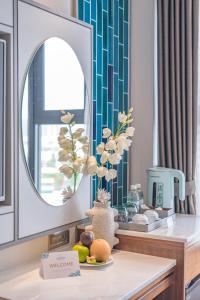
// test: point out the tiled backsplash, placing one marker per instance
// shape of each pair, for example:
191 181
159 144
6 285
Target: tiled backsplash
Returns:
110 20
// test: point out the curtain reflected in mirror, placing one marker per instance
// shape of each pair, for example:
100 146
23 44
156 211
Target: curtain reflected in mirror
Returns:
54 82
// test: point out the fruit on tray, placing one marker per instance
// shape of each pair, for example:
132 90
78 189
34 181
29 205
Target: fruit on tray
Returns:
83 252
100 249
91 260
86 238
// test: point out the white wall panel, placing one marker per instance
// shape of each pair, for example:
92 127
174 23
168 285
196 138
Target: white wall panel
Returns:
35 26
65 7
6 228
6 12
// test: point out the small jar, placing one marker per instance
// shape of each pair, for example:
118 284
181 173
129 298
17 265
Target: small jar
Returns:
132 210
122 214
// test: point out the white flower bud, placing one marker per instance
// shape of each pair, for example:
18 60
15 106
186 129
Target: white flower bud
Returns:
66 170
111 174
78 133
111 145
106 133
77 165
104 157
130 131
101 171
86 148
63 131
83 139
122 117
100 148
114 159
92 165
67 118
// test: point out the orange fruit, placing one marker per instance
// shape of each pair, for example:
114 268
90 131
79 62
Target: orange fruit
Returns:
100 249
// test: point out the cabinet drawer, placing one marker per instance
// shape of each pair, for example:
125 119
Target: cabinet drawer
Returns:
6 228
6 12
192 262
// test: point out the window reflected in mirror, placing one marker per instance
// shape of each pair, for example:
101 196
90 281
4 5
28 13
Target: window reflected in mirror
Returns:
54 82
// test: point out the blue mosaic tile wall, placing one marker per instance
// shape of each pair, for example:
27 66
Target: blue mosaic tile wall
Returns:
110 20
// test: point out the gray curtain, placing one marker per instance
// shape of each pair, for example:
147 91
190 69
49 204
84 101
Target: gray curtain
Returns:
178 22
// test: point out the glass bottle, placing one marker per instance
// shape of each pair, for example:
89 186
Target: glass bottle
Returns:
140 193
132 202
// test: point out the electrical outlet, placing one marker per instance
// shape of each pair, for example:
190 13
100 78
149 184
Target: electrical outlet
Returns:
58 239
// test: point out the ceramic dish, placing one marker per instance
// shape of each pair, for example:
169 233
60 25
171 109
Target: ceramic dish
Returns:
140 219
98 265
152 215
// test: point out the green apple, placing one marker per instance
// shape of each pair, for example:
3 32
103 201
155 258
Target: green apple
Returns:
83 252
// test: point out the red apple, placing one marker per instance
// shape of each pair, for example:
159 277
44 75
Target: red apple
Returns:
87 238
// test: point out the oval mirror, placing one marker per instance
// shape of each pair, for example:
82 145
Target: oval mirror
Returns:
54 86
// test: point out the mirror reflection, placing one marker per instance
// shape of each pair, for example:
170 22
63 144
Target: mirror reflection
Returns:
54 83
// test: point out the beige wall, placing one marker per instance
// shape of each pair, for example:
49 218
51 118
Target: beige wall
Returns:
142 87
22 253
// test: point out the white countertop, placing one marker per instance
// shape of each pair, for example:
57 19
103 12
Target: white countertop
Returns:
129 273
186 228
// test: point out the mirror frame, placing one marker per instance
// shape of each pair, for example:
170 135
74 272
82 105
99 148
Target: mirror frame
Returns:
87 115
68 29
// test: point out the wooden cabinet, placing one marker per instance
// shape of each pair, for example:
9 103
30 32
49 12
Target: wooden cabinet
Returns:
160 289
187 257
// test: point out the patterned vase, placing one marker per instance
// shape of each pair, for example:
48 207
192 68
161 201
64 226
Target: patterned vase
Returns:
103 224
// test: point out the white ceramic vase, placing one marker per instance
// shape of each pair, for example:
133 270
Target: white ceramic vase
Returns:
103 224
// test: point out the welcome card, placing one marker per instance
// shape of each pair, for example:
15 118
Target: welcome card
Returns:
60 264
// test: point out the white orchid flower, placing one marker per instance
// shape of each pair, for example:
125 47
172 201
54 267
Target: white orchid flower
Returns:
86 148
77 164
130 131
120 149
66 170
106 133
101 171
111 145
92 165
114 159
100 148
121 138
127 144
63 131
104 157
78 133
111 174
83 139
64 155
92 169
122 117
67 118
65 143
